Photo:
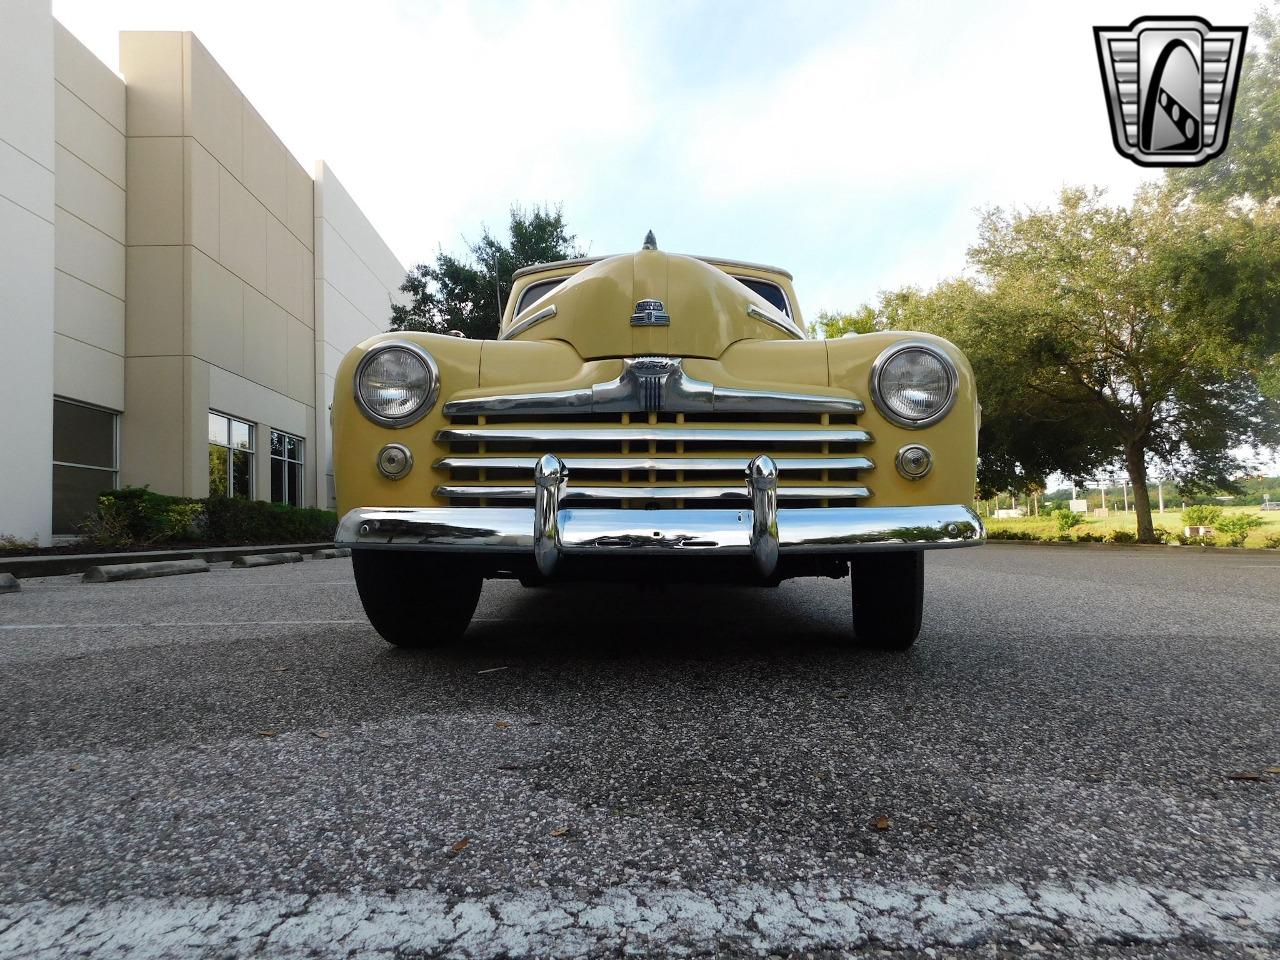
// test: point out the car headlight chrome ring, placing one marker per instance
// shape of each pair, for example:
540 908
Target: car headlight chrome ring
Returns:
396 383
913 384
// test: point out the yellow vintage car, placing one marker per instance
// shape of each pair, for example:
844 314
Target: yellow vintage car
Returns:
644 417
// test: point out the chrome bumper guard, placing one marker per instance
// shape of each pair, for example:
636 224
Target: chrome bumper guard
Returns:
763 532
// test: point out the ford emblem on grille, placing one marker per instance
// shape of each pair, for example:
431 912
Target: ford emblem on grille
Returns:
650 313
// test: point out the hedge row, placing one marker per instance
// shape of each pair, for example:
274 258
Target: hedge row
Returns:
1127 536
135 516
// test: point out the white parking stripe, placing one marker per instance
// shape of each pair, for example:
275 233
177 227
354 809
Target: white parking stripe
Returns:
172 623
667 920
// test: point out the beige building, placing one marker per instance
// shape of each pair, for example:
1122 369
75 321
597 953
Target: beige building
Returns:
181 289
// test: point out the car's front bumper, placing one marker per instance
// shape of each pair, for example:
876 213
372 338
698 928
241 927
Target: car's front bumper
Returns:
602 533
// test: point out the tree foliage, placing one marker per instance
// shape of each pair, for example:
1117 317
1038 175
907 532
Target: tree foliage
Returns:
1103 334
468 293
1251 165
830 325
1025 435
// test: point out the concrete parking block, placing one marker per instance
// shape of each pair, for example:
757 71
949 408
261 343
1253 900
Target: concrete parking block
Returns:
9 583
110 573
331 554
265 559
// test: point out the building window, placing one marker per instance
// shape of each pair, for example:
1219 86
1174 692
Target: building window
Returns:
230 457
85 461
286 469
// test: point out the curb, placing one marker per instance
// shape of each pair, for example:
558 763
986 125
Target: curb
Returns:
112 573
266 559
9 583
59 565
1179 548
332 553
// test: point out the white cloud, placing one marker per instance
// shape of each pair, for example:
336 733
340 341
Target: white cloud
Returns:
848 143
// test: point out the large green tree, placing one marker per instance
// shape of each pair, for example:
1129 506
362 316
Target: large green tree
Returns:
1104 334
468 293
1026 434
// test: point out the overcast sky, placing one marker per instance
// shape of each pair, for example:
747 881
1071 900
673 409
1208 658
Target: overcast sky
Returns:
849 142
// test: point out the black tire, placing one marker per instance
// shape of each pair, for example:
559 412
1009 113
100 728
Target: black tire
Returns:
888 599
414 600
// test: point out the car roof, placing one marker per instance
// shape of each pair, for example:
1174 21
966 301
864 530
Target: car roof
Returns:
587 261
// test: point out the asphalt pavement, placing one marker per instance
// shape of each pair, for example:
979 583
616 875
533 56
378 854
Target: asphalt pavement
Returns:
1081 756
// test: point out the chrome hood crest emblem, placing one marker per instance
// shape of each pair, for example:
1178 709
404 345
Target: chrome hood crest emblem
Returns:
650 313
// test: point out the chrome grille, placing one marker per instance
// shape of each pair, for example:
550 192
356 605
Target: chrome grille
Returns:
654 459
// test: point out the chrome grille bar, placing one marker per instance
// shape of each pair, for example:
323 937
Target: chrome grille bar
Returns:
624 462
541 436
629 492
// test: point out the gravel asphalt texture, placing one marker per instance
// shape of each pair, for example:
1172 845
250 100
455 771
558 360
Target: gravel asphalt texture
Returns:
1080 756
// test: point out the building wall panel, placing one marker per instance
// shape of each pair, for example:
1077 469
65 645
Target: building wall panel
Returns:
154 301
86 134
88 77
266 342
88 314
86 192
154 205
86 252
215 110
87 373
242 231
153 64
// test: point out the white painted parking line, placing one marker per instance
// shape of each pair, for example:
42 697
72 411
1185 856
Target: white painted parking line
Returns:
672 921
175 623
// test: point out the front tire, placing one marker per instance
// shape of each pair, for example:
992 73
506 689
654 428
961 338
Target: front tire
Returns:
414 600
888 598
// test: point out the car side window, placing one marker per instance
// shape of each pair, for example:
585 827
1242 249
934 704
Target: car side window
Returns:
536 291
770 291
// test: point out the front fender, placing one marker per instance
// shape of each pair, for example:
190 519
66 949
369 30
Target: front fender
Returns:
953 440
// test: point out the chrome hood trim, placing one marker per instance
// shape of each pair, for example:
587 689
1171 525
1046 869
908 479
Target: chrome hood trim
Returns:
546 313
649 384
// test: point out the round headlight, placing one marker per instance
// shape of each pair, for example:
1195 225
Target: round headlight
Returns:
913 384
397 383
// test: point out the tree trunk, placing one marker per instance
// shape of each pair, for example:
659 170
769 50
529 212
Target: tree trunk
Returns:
1137 464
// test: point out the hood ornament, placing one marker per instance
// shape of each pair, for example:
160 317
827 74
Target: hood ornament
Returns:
650 242
650 313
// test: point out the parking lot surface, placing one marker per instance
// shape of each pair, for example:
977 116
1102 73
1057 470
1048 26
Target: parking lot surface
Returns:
1081 755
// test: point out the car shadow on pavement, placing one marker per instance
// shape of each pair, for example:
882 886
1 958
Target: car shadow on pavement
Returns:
612 621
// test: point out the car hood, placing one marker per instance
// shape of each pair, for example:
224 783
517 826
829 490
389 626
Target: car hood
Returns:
706 310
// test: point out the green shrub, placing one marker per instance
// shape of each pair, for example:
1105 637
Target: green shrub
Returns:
1066 519
1011 535
135 516
233 520
1163 535
1202 515
1237 527
1087 537
1272 542
1122 536
8 542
